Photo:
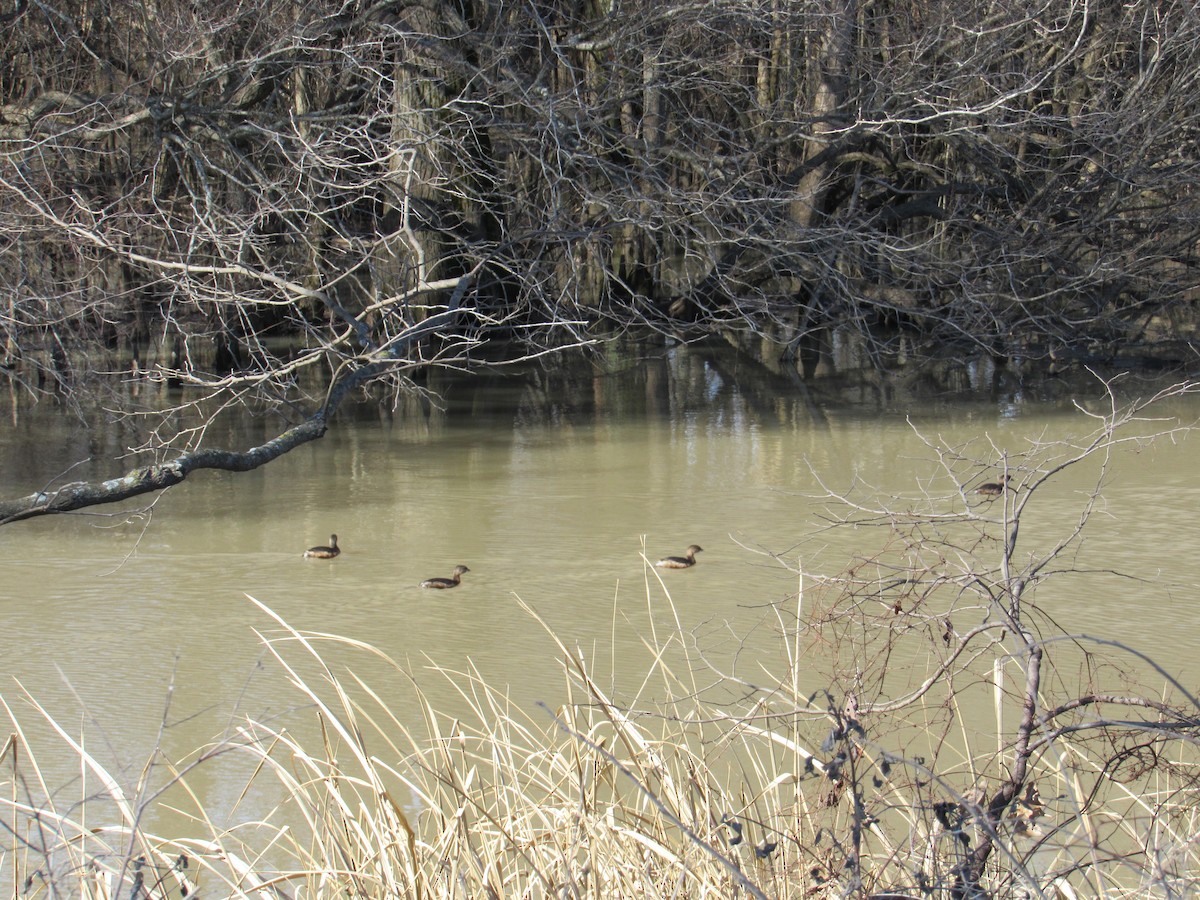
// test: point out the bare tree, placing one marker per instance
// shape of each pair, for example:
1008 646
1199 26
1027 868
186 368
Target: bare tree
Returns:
945 610
283 207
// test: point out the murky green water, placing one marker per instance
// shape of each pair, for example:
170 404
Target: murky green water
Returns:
555 492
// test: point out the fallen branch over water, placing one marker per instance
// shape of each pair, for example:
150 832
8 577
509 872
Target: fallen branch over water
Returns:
162 475
159 476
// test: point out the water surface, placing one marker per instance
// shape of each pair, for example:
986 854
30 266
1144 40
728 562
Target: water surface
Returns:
555 490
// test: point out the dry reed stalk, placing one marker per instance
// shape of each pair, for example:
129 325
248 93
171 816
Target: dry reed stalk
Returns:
593 798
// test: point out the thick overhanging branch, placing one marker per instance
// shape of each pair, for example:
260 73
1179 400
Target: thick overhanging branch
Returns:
159 476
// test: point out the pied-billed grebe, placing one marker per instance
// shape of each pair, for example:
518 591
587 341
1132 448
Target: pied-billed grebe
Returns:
993 488
452 581
681 562
324 552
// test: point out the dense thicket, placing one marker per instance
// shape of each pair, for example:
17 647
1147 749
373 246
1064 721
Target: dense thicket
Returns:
203 178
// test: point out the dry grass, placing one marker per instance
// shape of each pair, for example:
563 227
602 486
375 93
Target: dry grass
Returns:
600 799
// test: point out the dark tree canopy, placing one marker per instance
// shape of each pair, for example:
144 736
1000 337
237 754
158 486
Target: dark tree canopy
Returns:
276 204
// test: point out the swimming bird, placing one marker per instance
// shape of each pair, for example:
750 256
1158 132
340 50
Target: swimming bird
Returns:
442 583
324 552
766 848
680 562
993 488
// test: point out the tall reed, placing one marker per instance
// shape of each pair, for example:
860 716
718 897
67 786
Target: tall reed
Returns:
784 796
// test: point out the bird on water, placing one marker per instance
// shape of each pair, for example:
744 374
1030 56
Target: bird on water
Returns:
443 583
680 562
993 488
324 552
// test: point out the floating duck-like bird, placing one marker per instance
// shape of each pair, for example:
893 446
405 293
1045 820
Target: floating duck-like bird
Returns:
324 552
766 848
680 562
443 583
993 488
